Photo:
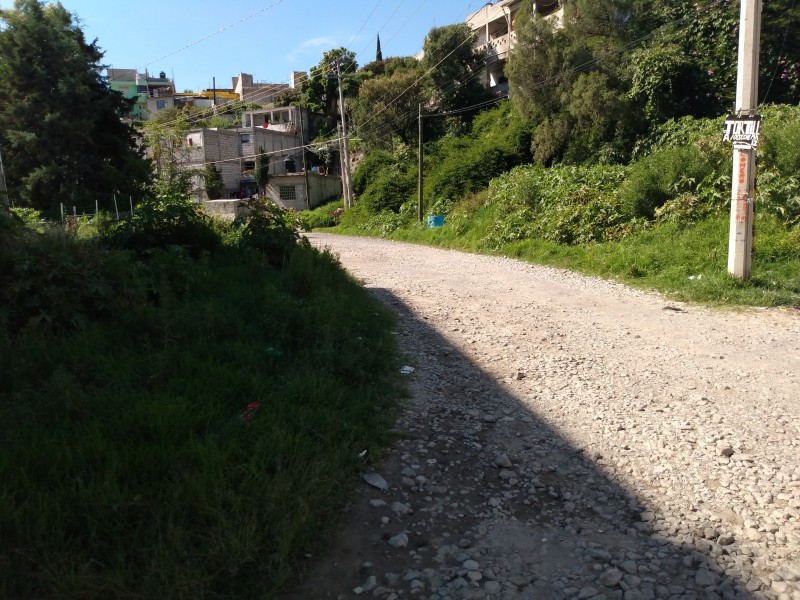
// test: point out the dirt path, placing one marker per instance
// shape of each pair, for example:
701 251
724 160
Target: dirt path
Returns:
572 438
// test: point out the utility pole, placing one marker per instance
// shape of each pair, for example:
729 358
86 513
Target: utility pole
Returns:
740 241
303 143
420 179
348 190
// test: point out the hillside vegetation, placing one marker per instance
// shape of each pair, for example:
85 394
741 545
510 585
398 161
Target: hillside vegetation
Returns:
659 222
608 157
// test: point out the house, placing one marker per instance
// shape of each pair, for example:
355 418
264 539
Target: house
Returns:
300 191
140 87
493 25
291 119
234 153
260 92
204 99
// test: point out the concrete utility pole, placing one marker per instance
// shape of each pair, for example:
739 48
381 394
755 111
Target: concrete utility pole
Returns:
303 142
420 179
740 241
348 190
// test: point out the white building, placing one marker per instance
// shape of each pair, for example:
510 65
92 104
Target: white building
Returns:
493 25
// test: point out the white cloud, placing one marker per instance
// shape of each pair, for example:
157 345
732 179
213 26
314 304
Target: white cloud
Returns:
316 43
310 47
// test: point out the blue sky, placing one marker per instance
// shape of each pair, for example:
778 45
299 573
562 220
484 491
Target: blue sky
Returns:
266 38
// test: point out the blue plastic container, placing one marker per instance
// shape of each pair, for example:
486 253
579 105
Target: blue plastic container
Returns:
436 221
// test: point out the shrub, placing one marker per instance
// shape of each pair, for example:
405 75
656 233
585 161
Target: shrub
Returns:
53 281
30 217
269 229
327 215
389 189
163 221
664 174
564 204
369 169
779 148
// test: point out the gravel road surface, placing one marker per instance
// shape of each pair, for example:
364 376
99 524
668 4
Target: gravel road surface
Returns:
569 437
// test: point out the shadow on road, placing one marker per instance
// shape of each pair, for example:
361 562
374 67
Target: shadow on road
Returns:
487 500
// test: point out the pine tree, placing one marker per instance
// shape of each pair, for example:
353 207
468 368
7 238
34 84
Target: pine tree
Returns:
60 130
378 53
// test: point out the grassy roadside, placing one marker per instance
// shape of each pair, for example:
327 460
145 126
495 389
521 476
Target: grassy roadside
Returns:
687 262
197 434
657 221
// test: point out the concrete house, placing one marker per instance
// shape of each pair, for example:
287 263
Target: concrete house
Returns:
140 87
493 25
233 152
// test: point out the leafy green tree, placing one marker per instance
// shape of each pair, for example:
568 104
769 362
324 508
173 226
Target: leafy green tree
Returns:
165 135
321 89
387 107
60 124
290 97
454 81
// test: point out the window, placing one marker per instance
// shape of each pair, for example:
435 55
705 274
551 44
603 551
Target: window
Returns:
287 192
161 104
244 138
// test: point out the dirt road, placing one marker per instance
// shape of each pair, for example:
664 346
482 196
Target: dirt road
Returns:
572 438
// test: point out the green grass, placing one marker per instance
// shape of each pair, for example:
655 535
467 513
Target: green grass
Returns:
127 466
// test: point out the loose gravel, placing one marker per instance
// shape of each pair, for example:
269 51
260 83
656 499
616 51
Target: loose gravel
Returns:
570 437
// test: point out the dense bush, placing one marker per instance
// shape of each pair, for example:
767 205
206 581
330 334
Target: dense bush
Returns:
389 189
664 174
370 167
326 215
460 165
564 204
268 228
163 221
778 185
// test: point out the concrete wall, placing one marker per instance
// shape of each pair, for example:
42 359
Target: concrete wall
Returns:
277 144
320 189
225 209
218 146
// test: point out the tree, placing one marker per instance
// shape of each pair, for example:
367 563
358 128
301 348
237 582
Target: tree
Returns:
290 97
387 107
321 89
165 135
262 169
213 182
60 124
454 81
378 53
571 82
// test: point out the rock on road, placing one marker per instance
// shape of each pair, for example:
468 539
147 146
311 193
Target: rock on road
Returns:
569 437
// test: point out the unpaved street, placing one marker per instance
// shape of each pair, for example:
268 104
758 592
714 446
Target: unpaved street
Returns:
571 438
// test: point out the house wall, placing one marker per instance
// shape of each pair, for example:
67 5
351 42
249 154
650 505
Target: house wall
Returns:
220 146
226 209
320 189
278 145
493 25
